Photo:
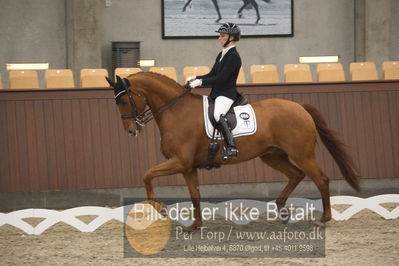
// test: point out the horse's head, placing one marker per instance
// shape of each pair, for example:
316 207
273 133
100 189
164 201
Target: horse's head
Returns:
131 105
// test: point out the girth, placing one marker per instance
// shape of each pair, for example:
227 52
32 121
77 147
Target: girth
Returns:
232 121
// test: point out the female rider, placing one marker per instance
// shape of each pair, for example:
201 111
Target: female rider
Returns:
223 78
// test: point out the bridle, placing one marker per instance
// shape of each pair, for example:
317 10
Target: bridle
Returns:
141 119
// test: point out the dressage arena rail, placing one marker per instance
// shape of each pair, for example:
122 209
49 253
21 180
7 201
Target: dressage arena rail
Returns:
70 139
104 215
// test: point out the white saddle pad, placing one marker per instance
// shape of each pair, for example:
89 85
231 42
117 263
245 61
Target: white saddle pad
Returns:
246 120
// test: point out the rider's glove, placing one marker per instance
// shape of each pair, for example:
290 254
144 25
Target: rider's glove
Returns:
195 83
191 78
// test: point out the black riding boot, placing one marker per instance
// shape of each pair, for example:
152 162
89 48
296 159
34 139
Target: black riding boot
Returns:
231 151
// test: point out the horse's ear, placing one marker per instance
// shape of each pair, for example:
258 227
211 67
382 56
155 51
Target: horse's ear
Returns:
110 82
123 84
117 87
120 83
126 82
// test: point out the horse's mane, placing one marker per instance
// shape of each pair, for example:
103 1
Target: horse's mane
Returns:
171 82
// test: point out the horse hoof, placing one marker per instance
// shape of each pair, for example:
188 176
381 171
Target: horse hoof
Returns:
192 228
286 220
158 206
320 224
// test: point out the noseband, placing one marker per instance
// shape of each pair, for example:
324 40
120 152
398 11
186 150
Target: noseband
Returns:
139 118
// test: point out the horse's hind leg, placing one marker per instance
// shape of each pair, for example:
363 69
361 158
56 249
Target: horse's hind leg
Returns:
313 171
281 162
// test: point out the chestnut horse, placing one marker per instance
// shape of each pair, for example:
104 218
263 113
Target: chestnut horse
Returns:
285 138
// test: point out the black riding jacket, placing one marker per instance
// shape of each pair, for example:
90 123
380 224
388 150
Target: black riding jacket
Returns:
223 76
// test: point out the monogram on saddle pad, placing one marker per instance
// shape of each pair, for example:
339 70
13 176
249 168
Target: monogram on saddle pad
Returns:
241 118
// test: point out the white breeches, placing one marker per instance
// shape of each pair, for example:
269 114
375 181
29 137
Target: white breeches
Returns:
222 106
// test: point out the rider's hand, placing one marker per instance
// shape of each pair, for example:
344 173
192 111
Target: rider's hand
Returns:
195 83
191 78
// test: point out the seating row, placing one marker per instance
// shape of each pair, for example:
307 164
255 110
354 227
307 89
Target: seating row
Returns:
63 78
325 72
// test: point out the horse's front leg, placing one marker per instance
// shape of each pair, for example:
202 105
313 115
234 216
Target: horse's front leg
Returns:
169 167
193 187
185 6
255 5
215 3
239 12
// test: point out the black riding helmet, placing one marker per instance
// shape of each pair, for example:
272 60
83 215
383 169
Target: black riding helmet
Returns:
231 29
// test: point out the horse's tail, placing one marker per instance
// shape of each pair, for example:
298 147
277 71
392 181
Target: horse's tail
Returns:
335 146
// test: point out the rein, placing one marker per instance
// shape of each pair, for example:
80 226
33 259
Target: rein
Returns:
146 116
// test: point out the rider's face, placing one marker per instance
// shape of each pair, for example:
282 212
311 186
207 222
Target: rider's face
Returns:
223 37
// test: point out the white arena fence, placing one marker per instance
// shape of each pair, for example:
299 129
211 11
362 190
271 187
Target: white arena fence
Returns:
104 215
